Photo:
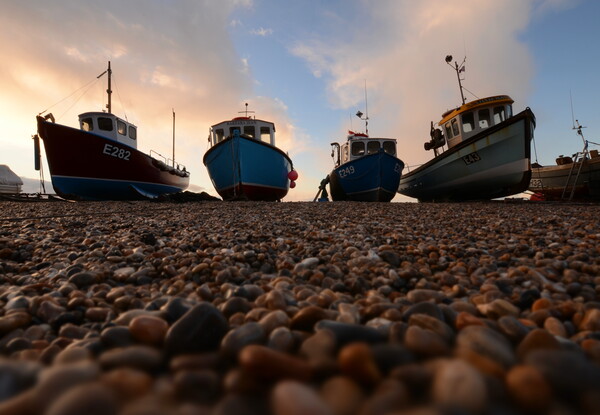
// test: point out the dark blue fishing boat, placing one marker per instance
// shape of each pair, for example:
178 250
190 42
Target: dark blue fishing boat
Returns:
243 162
366 169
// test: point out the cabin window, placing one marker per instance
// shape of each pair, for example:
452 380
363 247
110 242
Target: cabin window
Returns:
499 115
121 127
249 130
389 147
455 130
105 124
468 122
484 118
344 154
372 147
265 134
448 130
219 134
358 148
509 112
87 124
132 132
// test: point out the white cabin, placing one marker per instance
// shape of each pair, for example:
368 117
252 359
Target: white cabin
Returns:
257 129
109 126
474 117
359 145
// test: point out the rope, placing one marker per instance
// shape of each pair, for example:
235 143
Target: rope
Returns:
119 95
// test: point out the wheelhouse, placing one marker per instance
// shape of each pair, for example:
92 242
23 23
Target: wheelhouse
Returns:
360 145
257 129
109 126
474 117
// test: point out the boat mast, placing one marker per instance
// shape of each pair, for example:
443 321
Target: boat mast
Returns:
458 68
173 136
108 90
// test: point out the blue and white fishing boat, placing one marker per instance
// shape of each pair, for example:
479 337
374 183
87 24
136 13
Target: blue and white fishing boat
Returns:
366 170
243 162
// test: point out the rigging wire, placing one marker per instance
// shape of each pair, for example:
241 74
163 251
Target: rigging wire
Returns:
69 96
119 95
77 100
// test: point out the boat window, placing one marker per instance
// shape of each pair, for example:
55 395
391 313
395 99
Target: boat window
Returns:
219 134
105 124
455 127
448 130
372 147
265 134
249 130
132 132
484 118
121 127
468 121
358 148
389 147
87 124
344 153
509 112
499 115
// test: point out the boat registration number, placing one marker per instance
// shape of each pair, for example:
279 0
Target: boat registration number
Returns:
471 158
346 171
117 152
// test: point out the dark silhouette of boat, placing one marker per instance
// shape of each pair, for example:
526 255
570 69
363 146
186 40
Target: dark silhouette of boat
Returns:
100 160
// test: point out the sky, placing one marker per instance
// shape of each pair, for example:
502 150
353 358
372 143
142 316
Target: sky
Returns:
306 65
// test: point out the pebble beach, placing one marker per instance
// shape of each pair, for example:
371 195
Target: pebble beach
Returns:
143 308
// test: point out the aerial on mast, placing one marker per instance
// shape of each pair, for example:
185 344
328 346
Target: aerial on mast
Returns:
359 114
458 68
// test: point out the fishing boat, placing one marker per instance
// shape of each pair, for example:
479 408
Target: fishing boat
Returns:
366 169
481 151
575 177
243 162
100 160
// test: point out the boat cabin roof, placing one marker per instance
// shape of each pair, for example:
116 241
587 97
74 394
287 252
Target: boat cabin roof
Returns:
251 127
483 102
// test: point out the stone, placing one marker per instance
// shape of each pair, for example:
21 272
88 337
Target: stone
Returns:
457 385
200 329
294 398
150 330
264 363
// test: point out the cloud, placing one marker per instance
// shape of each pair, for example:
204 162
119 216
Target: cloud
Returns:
262 32
176 54
399 51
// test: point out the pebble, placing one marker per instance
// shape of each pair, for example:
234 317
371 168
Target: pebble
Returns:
458 385
313 308
200 329
294 398
149 330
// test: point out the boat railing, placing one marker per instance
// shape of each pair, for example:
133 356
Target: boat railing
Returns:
168 164
407 167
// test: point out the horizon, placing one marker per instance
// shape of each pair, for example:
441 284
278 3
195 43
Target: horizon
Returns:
306 66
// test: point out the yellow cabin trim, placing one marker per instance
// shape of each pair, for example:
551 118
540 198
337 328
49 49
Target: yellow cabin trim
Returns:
498 99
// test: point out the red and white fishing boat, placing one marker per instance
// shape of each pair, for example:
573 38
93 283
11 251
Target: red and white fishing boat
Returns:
100 160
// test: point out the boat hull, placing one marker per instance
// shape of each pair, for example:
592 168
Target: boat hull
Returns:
242 168
86 166
492 164
551 181
372 178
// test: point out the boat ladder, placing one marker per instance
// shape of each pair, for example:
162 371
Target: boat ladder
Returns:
580 158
